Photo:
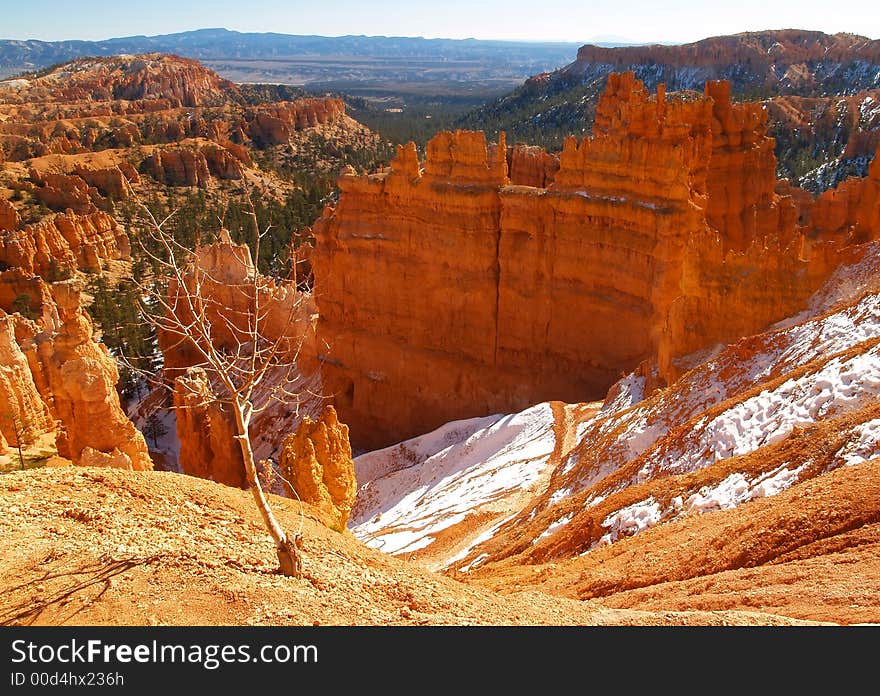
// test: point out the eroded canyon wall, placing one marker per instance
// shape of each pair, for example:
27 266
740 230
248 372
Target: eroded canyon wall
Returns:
233 293
447 292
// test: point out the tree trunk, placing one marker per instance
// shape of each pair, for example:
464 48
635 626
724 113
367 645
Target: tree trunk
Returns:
287 549
17 440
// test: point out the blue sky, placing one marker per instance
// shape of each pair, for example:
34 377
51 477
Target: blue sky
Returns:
562 20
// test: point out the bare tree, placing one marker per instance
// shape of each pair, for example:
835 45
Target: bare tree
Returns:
248 368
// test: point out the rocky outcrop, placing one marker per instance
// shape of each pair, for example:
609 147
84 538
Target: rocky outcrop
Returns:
178 167
529 165
317 466
110 181
287 318
820 90
222 164
64 242
851 211
9 217
28 294
76 377
273 125
206 432
23 415
139 102
194 166
62 192
54 376
227 281
661 235
150 77
788 60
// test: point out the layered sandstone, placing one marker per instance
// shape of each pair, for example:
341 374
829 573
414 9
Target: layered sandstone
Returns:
148 77
64 242
139 101
851 211
178 167
273 125
110 182
233 291
23 414
77 379
62 192
529 165
206 431
56 377
317 466
788 60
446 292
9 217
222 163
20 290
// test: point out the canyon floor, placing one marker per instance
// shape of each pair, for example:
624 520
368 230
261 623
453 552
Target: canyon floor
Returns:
89 546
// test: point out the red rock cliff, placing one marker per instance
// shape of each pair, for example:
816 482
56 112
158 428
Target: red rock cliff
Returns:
77 378
67 241
445 292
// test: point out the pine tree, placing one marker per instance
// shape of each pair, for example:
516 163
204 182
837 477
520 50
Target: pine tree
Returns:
153 429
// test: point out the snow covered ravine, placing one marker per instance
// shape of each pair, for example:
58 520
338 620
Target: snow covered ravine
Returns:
473 491
411 493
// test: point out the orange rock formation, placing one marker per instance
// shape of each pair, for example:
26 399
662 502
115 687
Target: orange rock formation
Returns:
272 125
127 101
789 55
448 292
205 430
317 465
23 415
9 217
67 241
228 282
55 376
529 165
78 377
178 167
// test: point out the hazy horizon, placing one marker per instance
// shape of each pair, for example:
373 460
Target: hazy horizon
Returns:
566 21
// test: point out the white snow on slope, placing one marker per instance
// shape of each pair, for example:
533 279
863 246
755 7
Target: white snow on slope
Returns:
737 489
479 539
626 434
732 491
414 452
414 491
630 520
839 386
502 458
864 444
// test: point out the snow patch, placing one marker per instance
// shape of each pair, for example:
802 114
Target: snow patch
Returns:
737 489
558 524
863 445
501 458
626 393
474 563
557 495
631 520
479 539
728 494
770 417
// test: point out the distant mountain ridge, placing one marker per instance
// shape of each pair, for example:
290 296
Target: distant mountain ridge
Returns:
219 44
836 79
787 61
